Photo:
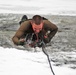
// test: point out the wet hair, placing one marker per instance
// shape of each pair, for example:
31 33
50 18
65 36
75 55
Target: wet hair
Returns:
37 16
37 19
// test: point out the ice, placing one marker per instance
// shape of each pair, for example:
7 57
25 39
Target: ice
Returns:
59 7
63 50
19 62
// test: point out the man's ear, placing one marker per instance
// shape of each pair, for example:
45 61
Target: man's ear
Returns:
32 21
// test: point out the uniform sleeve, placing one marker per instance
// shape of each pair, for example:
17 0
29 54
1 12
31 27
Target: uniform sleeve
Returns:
20 32
49 26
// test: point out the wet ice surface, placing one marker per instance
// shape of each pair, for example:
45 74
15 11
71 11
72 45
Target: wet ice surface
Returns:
19 62
63 49
63 46
13 61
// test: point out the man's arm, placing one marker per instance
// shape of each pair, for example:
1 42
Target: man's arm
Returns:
52 28
17 37
20 32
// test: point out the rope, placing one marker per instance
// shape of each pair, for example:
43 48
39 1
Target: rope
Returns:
43 49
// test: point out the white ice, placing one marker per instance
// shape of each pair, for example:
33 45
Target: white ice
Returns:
19 62
57 7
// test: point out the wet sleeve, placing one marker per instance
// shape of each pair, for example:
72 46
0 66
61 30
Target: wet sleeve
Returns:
20 32
49 26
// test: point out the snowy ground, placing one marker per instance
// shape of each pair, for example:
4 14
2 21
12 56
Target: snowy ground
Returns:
19 62
58 7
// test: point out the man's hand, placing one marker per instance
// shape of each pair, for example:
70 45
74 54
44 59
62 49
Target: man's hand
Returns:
21 41
46 38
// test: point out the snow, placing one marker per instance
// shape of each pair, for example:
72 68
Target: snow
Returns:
22 62
63 7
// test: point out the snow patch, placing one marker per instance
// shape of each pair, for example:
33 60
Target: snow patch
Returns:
19 62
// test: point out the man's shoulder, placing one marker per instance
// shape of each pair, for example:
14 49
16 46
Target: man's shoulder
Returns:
25 25
45 21
27 22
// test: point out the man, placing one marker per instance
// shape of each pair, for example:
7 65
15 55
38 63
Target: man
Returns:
37 29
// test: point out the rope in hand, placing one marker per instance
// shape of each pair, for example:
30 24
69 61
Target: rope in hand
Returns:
43 49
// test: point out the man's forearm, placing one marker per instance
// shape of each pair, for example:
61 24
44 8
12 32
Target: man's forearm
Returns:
15 40
52 33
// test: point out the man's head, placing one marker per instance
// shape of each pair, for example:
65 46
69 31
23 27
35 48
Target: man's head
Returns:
37 23
37 19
